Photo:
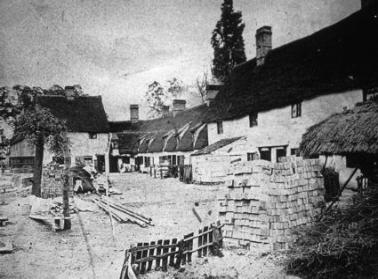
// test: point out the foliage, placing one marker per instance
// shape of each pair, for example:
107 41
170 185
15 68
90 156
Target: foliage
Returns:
158 96
36 122
227 41
344 244
201 83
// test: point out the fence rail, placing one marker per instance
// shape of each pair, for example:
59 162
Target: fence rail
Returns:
161 254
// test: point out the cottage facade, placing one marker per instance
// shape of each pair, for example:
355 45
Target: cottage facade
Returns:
87 132
274 98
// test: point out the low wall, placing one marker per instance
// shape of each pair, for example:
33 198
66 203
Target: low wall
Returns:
265 201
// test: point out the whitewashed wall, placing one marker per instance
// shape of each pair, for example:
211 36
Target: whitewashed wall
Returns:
276 127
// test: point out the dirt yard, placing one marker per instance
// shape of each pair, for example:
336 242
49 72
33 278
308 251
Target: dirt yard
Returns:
89 250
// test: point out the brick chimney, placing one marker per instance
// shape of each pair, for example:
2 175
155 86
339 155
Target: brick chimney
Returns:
69 92
134 113
178 106
263 43
165 111
366 3
212 91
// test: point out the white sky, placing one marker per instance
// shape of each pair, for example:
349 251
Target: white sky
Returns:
114 48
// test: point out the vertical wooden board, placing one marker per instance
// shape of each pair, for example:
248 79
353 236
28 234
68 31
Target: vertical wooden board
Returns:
139 255
190 248
210 235
205 240
165 258
173 250
180 253
158 253
144 256
150 254
199 244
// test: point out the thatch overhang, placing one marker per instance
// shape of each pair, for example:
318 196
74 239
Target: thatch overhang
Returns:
336 59
351 132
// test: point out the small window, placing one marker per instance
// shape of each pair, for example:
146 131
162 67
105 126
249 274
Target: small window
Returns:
252 156
92 135
265 153
296 110
220 127
294 152
280 152
253 119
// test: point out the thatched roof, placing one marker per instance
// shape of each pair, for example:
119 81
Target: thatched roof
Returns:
182 130
336 59
351 132
215 146
83 114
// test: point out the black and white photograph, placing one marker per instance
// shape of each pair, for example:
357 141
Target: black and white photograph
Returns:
188 139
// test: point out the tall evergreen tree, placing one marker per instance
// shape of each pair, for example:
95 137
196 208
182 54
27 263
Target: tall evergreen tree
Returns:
227 41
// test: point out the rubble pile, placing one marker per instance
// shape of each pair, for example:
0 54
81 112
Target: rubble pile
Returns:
267 200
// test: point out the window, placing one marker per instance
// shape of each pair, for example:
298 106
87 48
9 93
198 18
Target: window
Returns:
296 110
252 156
253 119
220 127
147 162
92 135
280 152
265 153
294 152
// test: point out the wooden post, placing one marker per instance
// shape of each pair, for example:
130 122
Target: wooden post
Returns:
144 256
139 256
165 258
204 242
67 185
199 244
158 253
173 249
151 254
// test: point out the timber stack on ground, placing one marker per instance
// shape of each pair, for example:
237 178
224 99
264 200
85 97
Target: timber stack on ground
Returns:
267 200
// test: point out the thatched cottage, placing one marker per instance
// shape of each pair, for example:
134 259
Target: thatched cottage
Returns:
274 98
352 134
87 131
170 139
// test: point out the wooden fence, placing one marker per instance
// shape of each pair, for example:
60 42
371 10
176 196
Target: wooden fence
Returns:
183 172
161 254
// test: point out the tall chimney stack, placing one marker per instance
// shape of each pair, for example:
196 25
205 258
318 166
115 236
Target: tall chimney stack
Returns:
165 111
134 113
212 91
263 43
178 106
366 3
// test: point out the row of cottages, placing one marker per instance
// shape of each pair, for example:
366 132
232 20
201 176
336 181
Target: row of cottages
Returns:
168 140
274 98
88 135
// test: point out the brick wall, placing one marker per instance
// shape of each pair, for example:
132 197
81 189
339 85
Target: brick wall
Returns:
266 201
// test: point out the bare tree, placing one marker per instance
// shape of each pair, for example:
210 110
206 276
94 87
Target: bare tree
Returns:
201 83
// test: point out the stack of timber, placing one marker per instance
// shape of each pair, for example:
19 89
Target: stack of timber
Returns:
121 213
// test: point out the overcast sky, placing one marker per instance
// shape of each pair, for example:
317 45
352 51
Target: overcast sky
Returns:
114 48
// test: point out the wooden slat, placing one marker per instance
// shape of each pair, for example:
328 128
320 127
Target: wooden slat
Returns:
165 258
144 255
173 250
138 256
150 254
158 252
205 241
190 247
200 243
180 254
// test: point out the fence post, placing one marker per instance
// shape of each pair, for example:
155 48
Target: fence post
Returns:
144 256
199 244
158 253
180 254
165 256
150 254
173 249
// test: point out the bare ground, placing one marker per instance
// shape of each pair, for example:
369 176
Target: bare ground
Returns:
90 251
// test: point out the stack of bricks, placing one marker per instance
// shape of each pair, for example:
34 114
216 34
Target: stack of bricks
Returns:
266 201
52 181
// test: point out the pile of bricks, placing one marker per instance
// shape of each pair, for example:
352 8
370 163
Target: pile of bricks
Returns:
266 201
